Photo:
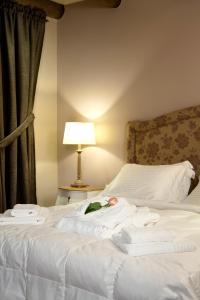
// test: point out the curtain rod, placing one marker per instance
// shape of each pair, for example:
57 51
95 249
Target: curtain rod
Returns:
56 10
103 3
94 3
52 9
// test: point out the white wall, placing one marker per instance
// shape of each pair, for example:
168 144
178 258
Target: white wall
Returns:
138 61
45 110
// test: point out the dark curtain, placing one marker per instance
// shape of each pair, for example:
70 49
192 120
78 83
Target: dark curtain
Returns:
21 39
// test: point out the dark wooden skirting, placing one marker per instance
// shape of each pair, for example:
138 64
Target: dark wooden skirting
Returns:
52 9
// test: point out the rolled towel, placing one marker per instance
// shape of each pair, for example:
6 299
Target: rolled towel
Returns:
144 217
21 220
131 235
141 249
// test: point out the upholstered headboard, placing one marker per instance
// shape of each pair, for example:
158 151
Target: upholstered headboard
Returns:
168 139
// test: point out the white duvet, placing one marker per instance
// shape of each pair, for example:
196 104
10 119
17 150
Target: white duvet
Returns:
42 263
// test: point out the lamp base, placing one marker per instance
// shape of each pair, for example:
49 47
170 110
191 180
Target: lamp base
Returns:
78 184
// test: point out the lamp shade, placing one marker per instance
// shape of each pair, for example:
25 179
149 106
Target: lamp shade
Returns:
79 133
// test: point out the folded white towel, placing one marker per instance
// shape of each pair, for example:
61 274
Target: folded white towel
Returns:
21 220
107 220
99 223
132 235
112 216
84 227
141 249
27 206
23 212
28 210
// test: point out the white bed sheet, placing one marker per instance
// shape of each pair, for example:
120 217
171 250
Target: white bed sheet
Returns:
39 262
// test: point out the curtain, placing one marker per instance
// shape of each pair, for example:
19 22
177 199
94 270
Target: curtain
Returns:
21 39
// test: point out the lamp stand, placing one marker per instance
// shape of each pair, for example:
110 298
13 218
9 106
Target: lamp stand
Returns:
78 183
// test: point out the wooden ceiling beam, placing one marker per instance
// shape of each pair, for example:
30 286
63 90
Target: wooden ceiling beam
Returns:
52 9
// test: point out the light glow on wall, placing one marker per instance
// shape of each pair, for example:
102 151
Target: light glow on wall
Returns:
93 106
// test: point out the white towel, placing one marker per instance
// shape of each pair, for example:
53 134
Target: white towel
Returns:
107 220
132 235
141 249
21 220
23 212
144 217
28 210
100 223
112 216
84 227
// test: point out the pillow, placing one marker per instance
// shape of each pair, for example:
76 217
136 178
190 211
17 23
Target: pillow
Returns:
194 197
168 183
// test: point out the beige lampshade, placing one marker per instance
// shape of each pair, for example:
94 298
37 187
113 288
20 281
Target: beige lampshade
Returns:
79 133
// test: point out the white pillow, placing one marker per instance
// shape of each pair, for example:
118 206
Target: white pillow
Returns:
194 197
166 183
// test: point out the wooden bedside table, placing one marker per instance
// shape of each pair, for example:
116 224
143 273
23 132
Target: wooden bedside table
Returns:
68 194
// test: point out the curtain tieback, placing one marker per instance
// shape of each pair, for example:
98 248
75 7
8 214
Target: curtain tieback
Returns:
17 132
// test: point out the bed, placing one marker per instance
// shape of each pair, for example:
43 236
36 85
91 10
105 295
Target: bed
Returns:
41 262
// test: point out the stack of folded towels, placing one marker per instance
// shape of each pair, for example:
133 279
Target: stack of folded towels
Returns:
100 223
107 221
24 214
150 240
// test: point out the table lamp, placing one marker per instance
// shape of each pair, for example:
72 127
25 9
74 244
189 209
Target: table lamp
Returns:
79 133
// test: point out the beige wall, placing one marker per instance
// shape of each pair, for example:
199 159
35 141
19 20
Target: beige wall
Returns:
46 119
135 62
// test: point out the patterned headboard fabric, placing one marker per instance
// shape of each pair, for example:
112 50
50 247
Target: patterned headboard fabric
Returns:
168 139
